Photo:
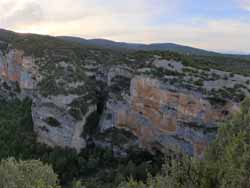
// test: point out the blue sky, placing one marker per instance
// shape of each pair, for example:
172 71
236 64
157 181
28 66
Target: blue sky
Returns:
221 25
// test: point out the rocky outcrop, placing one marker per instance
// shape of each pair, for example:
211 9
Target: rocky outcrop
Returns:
16 67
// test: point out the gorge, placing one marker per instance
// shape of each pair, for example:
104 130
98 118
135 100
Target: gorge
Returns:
158 98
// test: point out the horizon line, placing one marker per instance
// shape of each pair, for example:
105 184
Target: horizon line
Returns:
225 52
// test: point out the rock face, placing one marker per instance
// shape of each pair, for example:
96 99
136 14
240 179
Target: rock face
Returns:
54 124
16 67
168 108
171 116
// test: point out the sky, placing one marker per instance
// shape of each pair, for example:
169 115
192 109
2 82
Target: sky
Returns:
219 25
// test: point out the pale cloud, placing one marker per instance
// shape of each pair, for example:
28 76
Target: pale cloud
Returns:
82 16
67 10
245 4
17 12
220 35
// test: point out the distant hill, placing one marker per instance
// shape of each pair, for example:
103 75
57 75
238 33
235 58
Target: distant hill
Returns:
187 50
103 43
109 44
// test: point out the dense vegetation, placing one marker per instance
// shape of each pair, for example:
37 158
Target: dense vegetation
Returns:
93 166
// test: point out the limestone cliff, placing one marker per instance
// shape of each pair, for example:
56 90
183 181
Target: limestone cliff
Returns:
120 100
175 115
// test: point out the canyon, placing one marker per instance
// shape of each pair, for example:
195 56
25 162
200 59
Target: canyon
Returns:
157 103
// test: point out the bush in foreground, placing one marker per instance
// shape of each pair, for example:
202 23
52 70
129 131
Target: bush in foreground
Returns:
26 174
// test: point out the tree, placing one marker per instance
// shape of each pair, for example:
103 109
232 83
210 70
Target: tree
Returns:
228 158
175 174
26 174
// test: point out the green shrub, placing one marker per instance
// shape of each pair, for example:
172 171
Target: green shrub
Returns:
26 174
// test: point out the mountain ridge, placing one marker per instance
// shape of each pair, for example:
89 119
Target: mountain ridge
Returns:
109 44
183 49
105 43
